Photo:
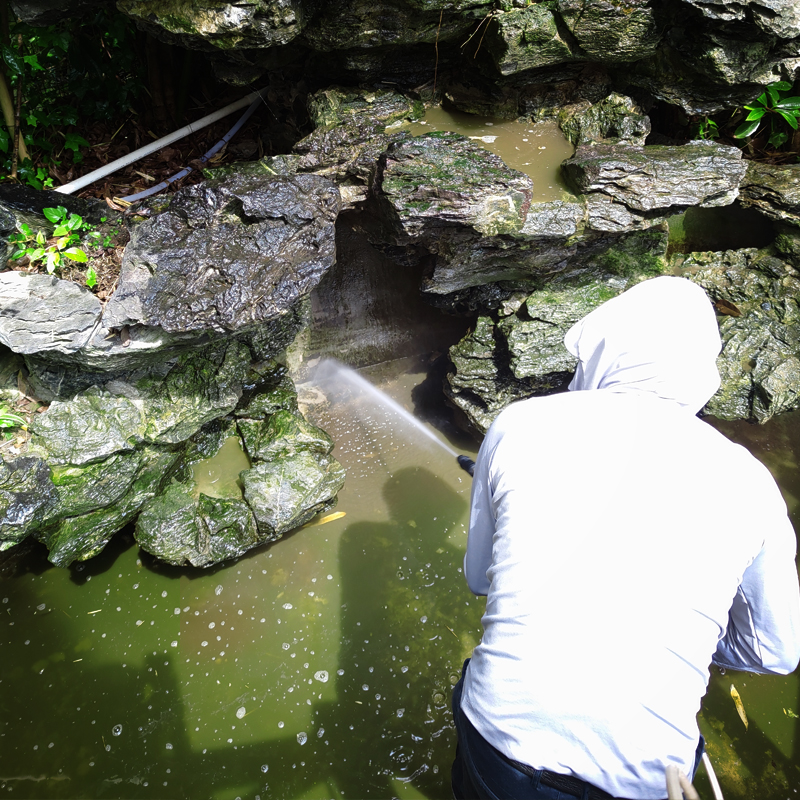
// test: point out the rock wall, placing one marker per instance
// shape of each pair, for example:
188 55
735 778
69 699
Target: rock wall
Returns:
433 234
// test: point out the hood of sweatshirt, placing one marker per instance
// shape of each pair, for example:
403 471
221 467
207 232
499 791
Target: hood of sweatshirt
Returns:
658 338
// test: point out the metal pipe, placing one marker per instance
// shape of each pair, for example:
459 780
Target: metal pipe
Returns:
192 127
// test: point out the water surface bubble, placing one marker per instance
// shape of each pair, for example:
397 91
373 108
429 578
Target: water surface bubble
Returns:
265 767
41 607
302 737
287 606
218 590
116 730
321 676
240 712
169 746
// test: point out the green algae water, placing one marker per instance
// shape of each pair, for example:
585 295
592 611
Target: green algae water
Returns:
318 667
537 149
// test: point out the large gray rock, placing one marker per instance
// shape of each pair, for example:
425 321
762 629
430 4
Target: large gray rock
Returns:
222 25
444 179
41 313
777 17
646 182
525 38
610 32
774 190
227 255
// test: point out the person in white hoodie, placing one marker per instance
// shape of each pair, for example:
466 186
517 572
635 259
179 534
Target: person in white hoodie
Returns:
622 544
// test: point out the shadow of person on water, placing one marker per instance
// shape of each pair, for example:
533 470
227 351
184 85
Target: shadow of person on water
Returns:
407 622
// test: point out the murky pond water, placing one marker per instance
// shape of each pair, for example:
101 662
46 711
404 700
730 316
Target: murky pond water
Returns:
318 667
537 149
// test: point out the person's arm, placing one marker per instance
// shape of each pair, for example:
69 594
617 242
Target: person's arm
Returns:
764 621
478 557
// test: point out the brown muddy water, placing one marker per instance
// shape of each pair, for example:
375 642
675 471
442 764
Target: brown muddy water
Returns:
537 149
320 666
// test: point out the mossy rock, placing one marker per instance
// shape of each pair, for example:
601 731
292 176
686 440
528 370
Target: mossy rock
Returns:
290 491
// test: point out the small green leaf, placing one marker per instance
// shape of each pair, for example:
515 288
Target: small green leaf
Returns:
91 277
76 254
26 229
60 230
53 260
783 86
53 214
773 93
40 237
789 102
756 113
33 62
778 139
36 254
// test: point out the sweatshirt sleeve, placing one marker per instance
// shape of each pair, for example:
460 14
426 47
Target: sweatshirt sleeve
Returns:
478 557
764 621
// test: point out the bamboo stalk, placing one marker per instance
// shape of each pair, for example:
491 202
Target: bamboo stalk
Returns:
8 114
15 151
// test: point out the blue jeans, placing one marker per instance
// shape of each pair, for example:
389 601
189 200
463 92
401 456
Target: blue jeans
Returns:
481 772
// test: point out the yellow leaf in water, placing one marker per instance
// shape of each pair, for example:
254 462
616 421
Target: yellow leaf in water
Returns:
739 705
327 518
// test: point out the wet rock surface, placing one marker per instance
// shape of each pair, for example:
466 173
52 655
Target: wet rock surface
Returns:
227 255
27 496
756 291
520 353
42 313
650 180
124 451
774 190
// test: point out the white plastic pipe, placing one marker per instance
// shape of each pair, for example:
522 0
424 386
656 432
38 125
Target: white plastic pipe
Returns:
192 127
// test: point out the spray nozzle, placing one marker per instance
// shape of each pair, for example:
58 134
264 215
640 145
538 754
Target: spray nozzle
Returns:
467 464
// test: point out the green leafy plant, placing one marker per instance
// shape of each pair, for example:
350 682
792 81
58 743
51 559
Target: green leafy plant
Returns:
775 107
10 420
707 129
70 74
62 244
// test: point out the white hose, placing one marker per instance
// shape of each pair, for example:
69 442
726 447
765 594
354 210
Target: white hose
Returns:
192 127
712 777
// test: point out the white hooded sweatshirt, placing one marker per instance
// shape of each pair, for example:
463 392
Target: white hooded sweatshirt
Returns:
622 544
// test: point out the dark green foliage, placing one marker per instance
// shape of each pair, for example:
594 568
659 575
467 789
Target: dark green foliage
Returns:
72 73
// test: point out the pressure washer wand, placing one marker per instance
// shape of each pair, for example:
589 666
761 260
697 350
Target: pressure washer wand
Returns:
467 464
